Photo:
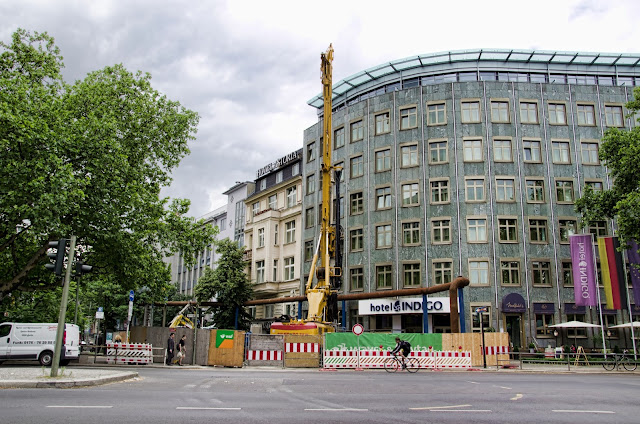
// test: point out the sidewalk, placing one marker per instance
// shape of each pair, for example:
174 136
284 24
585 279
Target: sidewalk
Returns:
35 377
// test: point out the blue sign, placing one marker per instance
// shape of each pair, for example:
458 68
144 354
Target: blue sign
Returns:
100 309
131 296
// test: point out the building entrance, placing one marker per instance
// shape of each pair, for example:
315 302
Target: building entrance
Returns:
513 323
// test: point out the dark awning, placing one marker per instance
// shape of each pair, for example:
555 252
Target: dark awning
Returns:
513 303
572 308
544 308
606 311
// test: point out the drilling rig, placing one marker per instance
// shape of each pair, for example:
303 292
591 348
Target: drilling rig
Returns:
326 265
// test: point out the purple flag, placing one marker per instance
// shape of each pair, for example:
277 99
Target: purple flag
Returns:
584 276
634 259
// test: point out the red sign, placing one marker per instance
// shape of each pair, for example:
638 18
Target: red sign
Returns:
358 329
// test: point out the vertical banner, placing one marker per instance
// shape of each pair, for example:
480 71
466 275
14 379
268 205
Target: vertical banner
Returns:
634 267
584 276
612 272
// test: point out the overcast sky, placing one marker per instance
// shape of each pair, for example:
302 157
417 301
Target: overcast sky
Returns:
249 67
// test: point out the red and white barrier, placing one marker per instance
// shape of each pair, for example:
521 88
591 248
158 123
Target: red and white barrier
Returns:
264 355
129 353
302 347
377 358
496 350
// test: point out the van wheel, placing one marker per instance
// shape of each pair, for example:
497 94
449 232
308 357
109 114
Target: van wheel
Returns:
46 358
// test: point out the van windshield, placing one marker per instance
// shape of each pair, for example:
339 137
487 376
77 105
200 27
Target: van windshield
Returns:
5 330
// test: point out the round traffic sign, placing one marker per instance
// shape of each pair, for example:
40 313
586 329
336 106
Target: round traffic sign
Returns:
358 329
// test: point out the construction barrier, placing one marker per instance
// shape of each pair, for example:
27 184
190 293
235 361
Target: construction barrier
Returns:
302 351
226 348
129 353
376 359
265 350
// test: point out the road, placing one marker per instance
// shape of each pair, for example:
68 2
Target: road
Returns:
182 395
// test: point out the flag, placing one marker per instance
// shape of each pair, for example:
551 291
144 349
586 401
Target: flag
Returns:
584 276
634 259
615 289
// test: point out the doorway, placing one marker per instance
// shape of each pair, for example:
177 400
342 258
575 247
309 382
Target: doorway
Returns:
513 324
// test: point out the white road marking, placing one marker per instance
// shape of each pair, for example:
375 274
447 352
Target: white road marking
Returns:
189 385
207 408
571 411
460 410
335 409
80 406
517 397
438 407
473 382
503 387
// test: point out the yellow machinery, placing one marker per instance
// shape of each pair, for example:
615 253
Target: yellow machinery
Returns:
322 297
181 319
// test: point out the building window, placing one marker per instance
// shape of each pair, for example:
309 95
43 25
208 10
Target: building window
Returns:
273 202
275 270
408 118
311 183
564 191
308 250
436 114
357 167
255 208
529 112
442 272
543 321
356 203
560 152
500 111
382 123
541 272
269 311
263 184
480 320
260 237
383 277
411 274
338 137
410 195
441 231
470 112
576 332
557 114
613 116
510 272
275 235
383 160
472 150
292 198
538 230
474 190
476 230
295 169
598 228
566 228
311 151
409 156
586 115
508 230
357 279
357 131
596 186
290 232
531 151
479 272
289 269
357 239
383 236
502 150
411 233
535 190
383 198
309 215
590 153
439 191
567 273
438 152
279 176
259 272
505 190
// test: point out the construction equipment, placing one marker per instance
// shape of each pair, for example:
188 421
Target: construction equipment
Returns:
322 297
181 319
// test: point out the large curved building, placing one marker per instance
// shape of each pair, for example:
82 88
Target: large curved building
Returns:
469 163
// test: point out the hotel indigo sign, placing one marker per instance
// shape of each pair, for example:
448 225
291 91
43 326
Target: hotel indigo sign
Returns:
584 279
405 305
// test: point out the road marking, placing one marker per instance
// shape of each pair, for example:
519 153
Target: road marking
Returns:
439 407
473 382
517 397
571 411
207 408
503 387
80 406
460 410
189 386
335 409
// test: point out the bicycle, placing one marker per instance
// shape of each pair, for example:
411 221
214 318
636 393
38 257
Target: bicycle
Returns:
627 362
394 363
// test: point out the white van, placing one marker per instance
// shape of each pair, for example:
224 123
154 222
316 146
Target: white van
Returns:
35 341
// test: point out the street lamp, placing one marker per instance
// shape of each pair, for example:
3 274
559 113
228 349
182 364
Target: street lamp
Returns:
555 334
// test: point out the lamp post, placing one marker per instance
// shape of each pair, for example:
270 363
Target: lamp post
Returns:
608 339
555 334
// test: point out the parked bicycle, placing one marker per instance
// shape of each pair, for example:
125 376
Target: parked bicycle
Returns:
614 362
395 363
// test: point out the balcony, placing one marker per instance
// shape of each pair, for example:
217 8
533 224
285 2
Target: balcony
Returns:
248 255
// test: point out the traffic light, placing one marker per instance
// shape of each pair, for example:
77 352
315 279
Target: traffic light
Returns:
58 256
81 268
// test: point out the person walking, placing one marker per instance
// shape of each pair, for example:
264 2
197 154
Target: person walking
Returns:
182 349
171 347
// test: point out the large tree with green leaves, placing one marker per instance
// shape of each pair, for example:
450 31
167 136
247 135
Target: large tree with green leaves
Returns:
89 159
620 153
227 284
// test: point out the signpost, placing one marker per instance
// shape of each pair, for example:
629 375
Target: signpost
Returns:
131 296
479 312
358 329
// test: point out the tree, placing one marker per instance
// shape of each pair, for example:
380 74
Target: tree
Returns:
89 159
229 285
619 152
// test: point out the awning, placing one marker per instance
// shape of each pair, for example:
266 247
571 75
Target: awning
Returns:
544 308
606 311
572 308
513 303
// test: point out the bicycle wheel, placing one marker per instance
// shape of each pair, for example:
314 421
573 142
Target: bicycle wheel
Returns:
391 365
629 364
412 364
609 364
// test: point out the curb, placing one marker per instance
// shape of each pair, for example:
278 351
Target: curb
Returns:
67 384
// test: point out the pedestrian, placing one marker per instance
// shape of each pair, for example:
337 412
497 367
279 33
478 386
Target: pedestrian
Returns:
171 346
182 349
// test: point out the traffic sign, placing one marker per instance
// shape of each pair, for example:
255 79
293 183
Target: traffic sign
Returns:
131 293
358 329
481 310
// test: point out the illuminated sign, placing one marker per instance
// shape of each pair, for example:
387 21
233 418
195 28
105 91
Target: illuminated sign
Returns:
407 305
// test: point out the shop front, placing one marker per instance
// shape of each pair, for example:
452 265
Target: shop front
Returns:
405 315
513 309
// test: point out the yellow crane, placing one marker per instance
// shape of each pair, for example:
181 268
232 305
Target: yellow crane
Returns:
322 297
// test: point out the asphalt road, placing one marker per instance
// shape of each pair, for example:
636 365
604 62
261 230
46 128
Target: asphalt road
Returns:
180 395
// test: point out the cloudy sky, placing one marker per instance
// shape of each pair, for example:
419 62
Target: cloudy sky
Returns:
249 67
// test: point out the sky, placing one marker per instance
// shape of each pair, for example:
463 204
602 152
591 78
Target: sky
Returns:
249 67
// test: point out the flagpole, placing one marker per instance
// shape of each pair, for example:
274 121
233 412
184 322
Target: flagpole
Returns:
633 338
595 266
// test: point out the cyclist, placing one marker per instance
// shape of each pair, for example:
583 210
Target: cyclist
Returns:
402 348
